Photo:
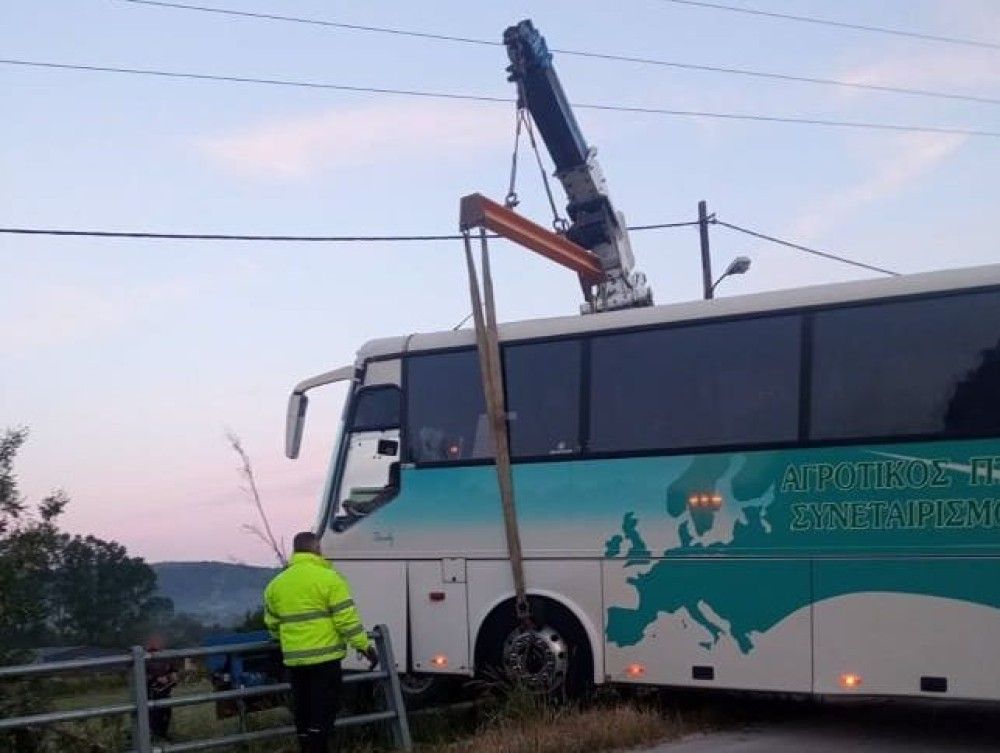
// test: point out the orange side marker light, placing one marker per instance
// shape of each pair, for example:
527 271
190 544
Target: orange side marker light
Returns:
850 681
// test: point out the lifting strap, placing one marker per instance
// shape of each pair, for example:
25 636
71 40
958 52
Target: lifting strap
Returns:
488 345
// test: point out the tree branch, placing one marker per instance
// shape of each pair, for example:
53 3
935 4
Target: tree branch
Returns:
253 493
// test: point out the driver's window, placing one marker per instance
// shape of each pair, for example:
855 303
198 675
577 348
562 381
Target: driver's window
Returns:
371 467
376 408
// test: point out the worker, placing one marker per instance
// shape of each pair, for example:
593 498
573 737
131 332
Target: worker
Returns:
308 608
161 679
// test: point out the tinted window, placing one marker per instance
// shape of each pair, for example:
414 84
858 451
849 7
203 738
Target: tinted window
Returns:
698 385
376 408
446 412
543 397
917 367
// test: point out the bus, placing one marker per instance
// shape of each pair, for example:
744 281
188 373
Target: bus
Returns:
793 491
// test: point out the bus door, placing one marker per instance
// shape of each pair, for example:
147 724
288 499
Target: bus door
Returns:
370 479
370 475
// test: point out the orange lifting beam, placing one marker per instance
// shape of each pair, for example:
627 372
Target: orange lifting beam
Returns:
476 211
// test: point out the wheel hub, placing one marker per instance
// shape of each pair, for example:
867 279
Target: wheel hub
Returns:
536 658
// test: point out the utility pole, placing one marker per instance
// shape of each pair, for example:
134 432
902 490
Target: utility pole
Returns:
706 258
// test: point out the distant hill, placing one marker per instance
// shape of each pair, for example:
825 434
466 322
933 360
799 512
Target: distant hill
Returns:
214 592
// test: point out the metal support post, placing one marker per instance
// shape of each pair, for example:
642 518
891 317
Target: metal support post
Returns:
706 258
241 727
141 742
393 692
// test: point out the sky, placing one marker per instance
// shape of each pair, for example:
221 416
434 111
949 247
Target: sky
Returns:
130 359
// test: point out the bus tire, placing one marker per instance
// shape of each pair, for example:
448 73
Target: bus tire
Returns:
552 620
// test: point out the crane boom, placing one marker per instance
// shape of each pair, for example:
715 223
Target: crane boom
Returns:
596 224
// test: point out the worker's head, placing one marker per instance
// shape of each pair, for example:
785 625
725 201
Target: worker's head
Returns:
155 642
306 541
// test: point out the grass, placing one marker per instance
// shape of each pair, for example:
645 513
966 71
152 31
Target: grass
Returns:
569 730
112 734
505 720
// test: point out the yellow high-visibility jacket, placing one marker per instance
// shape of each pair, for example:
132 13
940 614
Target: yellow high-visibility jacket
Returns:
309 609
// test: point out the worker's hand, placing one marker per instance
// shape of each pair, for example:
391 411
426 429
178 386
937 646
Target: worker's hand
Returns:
372 656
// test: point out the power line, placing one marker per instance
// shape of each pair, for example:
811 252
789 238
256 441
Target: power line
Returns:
487 98
885 89
840 24
806 249
319 22
224 236
251 80
272 238
663 225
400 238
704 68
793 120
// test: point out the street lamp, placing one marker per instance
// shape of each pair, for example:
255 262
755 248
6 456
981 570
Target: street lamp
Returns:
737 266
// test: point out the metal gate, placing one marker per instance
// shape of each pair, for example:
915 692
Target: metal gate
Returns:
385 677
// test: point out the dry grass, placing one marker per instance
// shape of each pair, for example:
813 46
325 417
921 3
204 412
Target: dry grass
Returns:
570 731
506 720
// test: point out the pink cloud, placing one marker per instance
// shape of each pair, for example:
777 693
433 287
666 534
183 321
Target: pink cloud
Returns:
963 72
297 147
910 158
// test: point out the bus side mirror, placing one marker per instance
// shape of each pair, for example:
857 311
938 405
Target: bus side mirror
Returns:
294 423
295 419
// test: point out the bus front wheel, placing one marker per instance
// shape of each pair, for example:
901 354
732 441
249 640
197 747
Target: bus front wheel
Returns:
551 657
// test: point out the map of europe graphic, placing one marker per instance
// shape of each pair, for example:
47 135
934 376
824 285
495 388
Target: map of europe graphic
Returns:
738 570
748 488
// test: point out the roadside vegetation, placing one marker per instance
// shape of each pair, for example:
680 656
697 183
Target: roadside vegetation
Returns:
503 720
549 729
79 593
58 589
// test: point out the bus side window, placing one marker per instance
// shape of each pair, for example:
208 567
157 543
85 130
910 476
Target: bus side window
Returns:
446 412
445 408
905 368
543 397
696 385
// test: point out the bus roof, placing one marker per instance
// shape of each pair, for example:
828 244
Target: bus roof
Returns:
756 303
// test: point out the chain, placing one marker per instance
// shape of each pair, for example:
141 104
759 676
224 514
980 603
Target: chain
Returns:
512 200
558 223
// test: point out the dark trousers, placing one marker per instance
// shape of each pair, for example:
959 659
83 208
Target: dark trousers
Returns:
316 699
159 721
159 718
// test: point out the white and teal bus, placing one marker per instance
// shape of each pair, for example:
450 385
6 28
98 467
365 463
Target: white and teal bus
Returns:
795 491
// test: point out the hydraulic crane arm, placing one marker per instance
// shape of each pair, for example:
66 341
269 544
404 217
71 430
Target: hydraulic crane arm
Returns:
595 223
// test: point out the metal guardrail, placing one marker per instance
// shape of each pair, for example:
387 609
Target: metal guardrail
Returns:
139 707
